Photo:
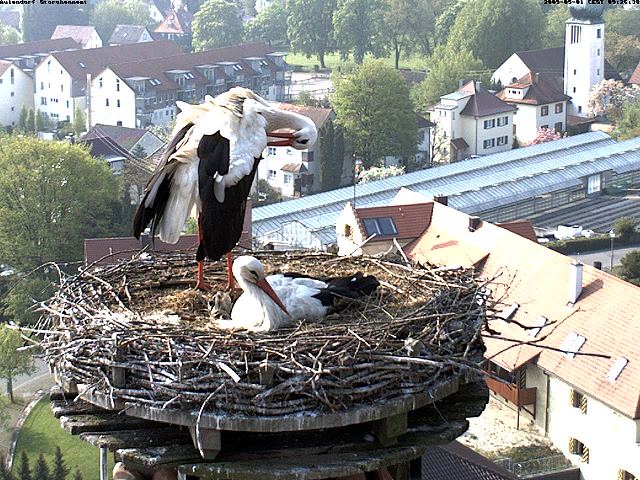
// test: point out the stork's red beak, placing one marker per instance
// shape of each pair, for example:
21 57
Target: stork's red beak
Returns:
287 142
266 288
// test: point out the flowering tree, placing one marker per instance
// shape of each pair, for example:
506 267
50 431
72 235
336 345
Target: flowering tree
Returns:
378 173
608 97
544 135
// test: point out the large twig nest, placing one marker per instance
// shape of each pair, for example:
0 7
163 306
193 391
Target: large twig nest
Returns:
421 327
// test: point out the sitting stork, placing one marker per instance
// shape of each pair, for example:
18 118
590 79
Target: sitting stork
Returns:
278 301
211 162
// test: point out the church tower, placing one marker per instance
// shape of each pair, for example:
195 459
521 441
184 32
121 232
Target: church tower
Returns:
583 55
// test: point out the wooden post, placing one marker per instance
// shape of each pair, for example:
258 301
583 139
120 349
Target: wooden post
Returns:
118 379
103 464
387 430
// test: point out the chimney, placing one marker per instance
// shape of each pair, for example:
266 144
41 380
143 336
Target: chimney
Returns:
536 78
443 199
474 223
460 83
597 265
575 281
478 85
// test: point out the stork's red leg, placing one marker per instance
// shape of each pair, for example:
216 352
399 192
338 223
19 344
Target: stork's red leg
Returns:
230 279
200 283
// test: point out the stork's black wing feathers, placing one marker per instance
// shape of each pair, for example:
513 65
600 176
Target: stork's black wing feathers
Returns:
144 215
353 286
220 222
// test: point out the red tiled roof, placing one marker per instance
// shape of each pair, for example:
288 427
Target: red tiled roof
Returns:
607 313
176 22
80 33
294 168
40 46
459 143
524 228
317 114
410 220
97 59
482 102
635 77
541 91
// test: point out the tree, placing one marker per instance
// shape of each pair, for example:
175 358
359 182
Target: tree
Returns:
409 24
18 303
448 67
79 122
555 27
331 141
5 474
38 123
629 268
24 471
217 24
628 123
373 105
622 21
41 470
78 475
53 195
22 122
310 27
359 28
608 97
35 25
8 35
60 470
492 31
622 52
270 25
13 362
544 135
625 227
379 173
445 21
139 152
106 15
31 122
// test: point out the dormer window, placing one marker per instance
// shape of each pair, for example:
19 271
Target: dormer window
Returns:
380 226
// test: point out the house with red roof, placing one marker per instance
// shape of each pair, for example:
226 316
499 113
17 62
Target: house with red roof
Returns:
564 341
635 77
540 103
85 35
470 121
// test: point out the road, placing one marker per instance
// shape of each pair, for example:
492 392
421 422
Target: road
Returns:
604 256
33 382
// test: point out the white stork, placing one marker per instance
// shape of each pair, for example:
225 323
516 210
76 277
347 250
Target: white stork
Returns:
277 301
211 161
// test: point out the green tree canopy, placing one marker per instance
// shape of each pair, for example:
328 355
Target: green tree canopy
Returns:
446 19
8 35
12 361
310 27
622 52
409 24
24 471
36 25
109 13
359 28
628 124
60 469
331 141
622 21
217 24
79 122
41 470
492 31
373 105
555 27
270 25
52 196
629 268
447 68
18 303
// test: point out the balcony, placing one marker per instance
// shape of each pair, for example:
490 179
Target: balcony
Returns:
518 396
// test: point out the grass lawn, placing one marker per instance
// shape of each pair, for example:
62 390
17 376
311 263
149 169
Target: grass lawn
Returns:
332 61
41 433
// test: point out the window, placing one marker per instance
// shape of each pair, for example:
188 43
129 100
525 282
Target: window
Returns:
289 151
489 123
13 76
576 447
578 400
118 103
558 127
599 33
272 174
288 179
43 100
380 226
579 108
117 85
41 85
544 111
545 126
348 231
271 150
67 103
119 123
559 108
598 72
489 143
13 109
574 89
575 72
62 88
576 31
503 140
598 52
503 121
106 102
624 475
100 82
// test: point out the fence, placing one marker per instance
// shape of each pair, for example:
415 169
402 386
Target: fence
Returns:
536 466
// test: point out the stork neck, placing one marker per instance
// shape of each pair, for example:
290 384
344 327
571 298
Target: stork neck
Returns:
268 308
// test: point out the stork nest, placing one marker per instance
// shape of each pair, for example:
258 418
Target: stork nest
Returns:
422 326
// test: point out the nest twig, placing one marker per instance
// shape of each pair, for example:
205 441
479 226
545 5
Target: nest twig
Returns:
420 327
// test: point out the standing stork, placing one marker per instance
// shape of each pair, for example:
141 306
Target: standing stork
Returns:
211 162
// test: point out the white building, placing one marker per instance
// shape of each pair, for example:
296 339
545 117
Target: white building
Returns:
16 92
85 35
126 34
470 121
540 103
61 78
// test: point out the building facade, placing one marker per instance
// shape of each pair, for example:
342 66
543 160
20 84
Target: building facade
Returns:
85 35
16 93
127 34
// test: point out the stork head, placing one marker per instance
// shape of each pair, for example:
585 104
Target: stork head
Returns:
249 270
293 130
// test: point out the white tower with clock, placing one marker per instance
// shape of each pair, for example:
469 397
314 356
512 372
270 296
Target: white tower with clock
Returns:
583 55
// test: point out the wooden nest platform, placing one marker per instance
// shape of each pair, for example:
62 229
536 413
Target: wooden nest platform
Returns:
135 334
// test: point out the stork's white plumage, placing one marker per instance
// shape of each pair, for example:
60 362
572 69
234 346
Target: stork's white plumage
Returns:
280 300
211 161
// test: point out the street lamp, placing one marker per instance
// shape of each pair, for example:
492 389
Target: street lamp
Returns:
612 235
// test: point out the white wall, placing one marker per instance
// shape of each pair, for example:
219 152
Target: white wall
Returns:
14 95
611 437
94 41
104 86
529 120
478 134
53 90
512 68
